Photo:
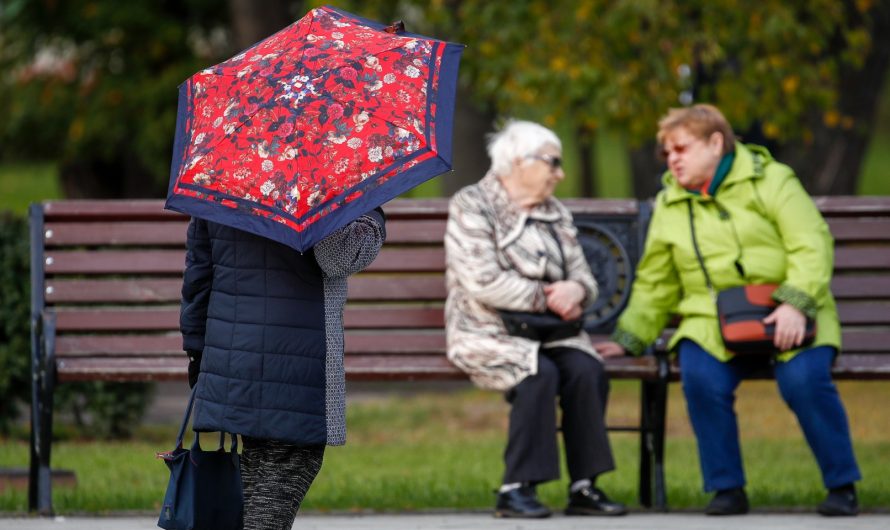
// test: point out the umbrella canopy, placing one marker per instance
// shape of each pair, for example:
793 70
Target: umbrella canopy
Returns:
325 120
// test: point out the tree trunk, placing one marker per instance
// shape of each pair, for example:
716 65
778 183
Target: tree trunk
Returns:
254 20
831 163
586 141
471 123
646 170
122 177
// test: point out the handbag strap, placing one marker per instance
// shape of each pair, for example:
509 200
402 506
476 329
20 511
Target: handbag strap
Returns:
701 260
185 420
197 444
562 256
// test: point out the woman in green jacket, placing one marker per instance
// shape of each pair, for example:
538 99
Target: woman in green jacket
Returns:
754 224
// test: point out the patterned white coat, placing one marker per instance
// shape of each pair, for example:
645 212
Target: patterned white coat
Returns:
501 256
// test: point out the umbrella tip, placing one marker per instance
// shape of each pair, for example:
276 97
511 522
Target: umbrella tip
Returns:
396 27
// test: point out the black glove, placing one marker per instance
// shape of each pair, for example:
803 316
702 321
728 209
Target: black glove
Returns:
194 367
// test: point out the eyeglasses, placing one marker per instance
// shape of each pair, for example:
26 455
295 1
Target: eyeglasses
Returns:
555 162
677 149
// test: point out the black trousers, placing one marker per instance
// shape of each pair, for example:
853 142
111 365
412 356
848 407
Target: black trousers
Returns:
580 382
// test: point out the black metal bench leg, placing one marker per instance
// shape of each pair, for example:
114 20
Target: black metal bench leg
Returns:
646 445
36 434
659 418
43 387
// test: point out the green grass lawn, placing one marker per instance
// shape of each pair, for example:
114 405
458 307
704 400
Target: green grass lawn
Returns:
437 450
24 183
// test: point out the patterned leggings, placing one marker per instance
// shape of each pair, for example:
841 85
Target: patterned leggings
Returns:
276 477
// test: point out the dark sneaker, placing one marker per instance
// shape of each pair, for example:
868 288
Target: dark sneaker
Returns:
728 502
592 501
520 502
840 502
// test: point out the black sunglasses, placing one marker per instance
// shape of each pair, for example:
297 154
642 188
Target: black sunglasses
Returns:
555 162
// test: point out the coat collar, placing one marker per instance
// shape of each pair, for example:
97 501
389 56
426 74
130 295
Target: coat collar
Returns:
749 163
509 219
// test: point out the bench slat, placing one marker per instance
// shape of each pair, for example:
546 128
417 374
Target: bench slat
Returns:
403 367
853 205
173 261
390 318
415 231
852 366
862 257
390 259
121 233
855 229
167 318
357 368
867 286
129 209
362 287
173 232
360 343
357 343
153 290
109 210
115 262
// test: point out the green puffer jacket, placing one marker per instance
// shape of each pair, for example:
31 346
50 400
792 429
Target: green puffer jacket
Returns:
762 218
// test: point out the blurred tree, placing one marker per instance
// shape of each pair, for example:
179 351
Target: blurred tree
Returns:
805 73
92 84
90 81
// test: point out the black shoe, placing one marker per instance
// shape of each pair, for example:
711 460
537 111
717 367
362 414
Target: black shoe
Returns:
728 502
840 501
592 501
520 502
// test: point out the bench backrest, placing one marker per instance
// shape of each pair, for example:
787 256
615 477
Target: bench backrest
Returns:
861 282
109 275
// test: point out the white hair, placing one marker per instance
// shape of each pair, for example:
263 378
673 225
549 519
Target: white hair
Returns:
517 139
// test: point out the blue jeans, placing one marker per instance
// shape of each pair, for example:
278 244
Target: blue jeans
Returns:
806 386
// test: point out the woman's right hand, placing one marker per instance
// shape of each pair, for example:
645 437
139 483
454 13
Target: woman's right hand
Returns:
609 349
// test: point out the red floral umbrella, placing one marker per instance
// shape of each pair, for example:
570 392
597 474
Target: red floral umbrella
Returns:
313 126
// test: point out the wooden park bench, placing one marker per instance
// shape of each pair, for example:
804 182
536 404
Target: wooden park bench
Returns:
106 280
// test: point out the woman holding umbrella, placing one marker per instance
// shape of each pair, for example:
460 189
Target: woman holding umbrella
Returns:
262 325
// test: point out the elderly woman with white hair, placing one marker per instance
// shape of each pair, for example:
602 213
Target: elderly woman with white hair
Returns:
510 245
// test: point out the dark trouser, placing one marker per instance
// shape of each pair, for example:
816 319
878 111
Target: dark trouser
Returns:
580 382
806 386
276 477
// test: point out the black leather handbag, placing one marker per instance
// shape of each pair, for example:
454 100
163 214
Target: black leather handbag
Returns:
542 327
204 491
546 326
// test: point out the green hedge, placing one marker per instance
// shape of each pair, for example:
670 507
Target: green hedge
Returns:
96 409
15 357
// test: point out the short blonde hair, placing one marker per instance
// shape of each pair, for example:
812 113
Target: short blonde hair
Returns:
702 120
518 139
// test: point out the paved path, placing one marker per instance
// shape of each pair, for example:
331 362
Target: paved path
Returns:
482 521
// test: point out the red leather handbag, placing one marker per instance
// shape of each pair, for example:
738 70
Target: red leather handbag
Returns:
741 311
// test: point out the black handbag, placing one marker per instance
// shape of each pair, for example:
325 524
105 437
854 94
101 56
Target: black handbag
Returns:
546 326
204 491
541 327
741 310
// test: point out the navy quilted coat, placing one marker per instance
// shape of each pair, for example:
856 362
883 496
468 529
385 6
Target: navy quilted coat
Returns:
269 323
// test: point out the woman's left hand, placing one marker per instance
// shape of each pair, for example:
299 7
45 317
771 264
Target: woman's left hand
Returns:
564 298
790 324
